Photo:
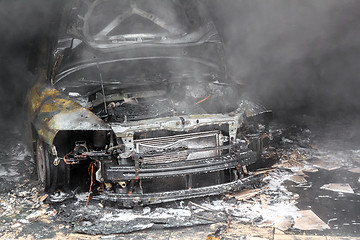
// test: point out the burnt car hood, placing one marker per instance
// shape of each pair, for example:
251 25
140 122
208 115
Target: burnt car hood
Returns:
142 66
109 25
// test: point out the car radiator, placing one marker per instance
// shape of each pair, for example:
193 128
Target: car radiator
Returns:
173 148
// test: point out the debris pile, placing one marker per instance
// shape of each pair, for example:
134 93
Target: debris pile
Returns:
23 209
277 202
270 205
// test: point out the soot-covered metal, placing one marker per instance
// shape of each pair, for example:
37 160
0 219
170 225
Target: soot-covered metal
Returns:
136 102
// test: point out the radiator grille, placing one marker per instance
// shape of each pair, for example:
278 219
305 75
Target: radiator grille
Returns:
175 146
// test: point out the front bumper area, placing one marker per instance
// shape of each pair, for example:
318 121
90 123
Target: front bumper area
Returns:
184 169
135 182
128 200
196 166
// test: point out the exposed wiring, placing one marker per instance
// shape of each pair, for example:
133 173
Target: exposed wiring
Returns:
91 171
68 162
203 100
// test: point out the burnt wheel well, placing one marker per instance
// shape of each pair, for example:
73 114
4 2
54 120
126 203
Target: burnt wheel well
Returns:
65 141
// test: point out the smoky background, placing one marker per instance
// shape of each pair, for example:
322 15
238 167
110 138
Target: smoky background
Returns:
21 24
293 55
296 55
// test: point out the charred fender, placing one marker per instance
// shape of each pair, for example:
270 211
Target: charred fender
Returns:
51 112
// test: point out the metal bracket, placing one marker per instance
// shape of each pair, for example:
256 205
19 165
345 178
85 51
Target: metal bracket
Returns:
129 145
232 131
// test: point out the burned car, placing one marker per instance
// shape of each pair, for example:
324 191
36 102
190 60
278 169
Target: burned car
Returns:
133 100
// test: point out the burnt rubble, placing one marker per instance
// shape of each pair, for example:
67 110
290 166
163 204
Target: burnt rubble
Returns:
278 201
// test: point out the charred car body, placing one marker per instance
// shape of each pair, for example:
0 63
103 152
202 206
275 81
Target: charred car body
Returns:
134 97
